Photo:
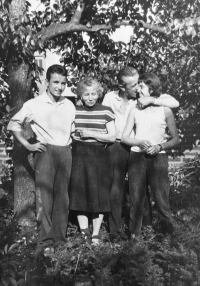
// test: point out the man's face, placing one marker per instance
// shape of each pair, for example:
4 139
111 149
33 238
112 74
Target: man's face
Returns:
130 84
56 85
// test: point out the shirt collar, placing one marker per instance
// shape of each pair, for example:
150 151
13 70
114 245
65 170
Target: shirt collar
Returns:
120 99
117 96
45 98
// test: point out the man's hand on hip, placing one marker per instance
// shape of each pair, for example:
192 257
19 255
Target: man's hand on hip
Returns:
37 147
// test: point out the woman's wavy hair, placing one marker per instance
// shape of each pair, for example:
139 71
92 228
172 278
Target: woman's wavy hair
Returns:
89 81
153 82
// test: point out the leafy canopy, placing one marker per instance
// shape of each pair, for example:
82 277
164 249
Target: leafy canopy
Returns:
165 41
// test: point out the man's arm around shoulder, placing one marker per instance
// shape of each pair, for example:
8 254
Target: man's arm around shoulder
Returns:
167 101
163 100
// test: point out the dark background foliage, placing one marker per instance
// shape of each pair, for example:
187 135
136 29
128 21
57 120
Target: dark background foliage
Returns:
165 41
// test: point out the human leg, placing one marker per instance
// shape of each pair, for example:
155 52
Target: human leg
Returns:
90 193
159 182
84 226
97 219
82 220
44 179
147 216
119 159
137 190
63 161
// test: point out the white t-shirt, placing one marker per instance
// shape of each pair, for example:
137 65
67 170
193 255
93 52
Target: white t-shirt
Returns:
113 100
150 124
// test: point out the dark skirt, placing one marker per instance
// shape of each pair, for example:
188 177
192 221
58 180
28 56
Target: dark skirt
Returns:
90 179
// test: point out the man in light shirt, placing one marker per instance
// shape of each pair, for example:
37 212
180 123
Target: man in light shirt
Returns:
51 117
121 102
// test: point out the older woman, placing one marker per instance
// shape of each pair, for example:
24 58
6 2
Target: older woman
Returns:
90 178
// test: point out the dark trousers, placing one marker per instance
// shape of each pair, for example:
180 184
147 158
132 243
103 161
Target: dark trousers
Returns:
52 174
119 155
143 167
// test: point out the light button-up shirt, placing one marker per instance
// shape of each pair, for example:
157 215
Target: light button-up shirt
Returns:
51 122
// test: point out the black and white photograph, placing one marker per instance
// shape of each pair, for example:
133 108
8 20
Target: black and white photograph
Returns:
100 143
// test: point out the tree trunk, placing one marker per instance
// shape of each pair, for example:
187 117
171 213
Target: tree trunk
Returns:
24 188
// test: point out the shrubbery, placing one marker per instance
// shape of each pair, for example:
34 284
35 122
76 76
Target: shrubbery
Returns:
151 260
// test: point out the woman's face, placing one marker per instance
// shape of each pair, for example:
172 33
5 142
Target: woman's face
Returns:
89 96
143 90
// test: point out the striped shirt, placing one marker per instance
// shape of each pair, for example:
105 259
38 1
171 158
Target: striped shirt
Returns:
92 119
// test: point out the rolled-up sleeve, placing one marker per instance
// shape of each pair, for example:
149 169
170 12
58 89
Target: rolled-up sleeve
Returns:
17 121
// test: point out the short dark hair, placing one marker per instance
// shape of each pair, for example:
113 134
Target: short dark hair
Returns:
55 69
89 81
153 82
126 71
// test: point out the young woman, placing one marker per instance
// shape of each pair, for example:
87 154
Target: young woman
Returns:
148 160
91 178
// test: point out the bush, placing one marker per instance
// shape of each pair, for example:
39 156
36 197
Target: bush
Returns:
153 259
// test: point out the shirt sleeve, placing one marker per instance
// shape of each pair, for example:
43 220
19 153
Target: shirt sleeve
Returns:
73 120
74 113
20 118
169 100
109 115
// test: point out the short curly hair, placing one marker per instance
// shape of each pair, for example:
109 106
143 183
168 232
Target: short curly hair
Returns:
89 81
153 82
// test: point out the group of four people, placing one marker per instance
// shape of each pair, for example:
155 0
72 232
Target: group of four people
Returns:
107 137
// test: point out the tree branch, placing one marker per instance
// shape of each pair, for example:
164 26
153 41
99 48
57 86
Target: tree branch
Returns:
57 29
74 25
78 13
152 27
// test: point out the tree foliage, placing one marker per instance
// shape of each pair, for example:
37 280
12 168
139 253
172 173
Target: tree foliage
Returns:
174 56
165 41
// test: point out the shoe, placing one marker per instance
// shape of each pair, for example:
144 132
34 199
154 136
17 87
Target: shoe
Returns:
95 240
86 235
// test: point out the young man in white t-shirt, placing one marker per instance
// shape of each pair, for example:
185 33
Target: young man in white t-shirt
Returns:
51 117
